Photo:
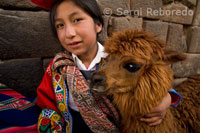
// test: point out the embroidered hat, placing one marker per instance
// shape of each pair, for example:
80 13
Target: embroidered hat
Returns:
46 4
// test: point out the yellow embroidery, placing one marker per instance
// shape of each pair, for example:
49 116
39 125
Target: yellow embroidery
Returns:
55 117
61 107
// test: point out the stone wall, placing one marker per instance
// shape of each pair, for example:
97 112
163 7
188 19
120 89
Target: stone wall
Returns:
27 44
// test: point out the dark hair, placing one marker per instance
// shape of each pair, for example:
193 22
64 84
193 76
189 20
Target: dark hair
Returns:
89 6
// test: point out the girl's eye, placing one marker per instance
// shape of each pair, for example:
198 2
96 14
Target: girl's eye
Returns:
131 67
58 26
77 20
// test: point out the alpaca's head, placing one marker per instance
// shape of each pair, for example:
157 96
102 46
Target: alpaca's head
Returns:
138 66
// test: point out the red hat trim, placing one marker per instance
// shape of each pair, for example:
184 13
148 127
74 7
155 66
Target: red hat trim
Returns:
46 4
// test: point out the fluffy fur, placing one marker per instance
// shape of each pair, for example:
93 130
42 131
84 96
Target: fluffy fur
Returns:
137 75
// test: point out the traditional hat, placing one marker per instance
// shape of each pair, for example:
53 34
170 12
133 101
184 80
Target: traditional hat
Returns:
46 4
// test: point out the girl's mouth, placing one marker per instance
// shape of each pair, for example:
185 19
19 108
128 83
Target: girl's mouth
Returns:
75 44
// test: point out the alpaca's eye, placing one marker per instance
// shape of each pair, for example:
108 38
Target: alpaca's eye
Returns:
131 67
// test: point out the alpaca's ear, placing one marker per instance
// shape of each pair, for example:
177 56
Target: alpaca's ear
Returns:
173 57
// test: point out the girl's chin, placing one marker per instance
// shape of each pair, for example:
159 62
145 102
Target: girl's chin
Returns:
77 52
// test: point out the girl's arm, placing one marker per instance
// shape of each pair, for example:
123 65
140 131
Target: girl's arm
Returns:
155 116
50 119
45 92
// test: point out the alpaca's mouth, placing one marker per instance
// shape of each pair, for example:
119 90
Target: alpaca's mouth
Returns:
99 89
98 83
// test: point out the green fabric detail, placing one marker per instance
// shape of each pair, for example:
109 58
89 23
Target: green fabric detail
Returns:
2 86
45 129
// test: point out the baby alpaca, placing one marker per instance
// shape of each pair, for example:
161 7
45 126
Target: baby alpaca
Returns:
137 75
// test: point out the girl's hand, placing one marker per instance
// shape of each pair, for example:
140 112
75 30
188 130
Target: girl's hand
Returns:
155 116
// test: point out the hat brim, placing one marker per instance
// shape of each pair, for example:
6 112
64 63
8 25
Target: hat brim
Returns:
46 4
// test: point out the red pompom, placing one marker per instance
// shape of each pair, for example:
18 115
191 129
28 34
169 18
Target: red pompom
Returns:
46 4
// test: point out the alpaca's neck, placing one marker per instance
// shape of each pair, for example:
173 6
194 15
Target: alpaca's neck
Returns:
132 111
132 104
128 108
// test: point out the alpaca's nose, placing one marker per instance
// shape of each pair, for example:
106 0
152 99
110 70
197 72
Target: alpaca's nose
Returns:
98 83
98 79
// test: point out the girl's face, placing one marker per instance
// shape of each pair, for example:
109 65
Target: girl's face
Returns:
76 29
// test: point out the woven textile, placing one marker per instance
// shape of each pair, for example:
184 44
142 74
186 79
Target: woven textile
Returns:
66 77
17 113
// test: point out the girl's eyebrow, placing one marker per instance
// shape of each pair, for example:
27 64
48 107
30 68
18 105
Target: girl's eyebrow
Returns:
74 13
70 16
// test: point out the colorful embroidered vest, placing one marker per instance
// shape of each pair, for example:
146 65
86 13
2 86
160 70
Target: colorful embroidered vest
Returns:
94 109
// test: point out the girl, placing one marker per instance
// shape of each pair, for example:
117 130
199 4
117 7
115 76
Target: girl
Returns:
67 102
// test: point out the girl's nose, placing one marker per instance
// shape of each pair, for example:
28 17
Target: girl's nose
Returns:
70 32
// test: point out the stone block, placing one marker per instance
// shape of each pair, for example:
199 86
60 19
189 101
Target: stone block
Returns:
122 23
198 70
18 4
191 2
193 40
167 1
145 7
196 20
175 38
116 7
22 75
46 63
155 28
177 13
188 67
103 36
25 34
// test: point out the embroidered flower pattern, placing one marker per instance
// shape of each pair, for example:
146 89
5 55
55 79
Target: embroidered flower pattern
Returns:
61 107
58 128
45 122
55 117
59 96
